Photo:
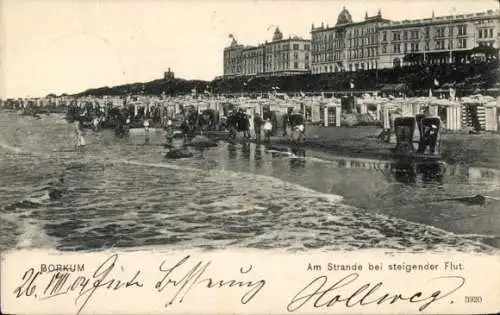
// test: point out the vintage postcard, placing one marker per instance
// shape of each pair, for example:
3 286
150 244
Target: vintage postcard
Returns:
249 157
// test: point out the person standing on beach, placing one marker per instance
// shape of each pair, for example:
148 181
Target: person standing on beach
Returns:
96 123
257 125
80 140
146 130
268 128
185 127
285 124
169 131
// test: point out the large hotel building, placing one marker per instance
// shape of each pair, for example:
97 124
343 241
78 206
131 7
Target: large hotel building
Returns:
373 43
278 57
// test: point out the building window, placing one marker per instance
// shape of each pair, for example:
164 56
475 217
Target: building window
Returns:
295 46
295 65
462 30
405 35
462 43
427 33
307 47
396 48
491 32
440 32
396 36
480 33
384 36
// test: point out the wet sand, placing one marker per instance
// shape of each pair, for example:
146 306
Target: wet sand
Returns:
481 150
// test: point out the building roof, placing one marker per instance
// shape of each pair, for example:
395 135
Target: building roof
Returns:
490 14
277 38
277 34
344 17
294 39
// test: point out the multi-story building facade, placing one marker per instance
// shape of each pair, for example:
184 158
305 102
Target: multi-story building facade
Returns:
441 39
286 56
380 43
253 60
279 57
347 46
233 58
372 43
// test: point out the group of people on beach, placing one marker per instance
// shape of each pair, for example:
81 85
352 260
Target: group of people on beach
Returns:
192 122
293 125
102 116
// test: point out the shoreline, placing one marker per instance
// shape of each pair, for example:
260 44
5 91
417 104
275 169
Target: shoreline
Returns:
479 150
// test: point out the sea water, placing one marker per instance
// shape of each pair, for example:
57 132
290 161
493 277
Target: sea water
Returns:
123 193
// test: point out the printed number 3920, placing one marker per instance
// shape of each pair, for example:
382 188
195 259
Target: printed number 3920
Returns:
473 299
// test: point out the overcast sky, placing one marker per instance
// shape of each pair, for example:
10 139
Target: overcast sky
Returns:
56 46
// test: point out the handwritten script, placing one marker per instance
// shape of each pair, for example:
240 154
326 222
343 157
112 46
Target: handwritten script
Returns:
174 280
112 277
322 294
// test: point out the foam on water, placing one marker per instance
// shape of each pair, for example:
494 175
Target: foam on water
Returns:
158 165
221 208
4 145
39 199
33 236
274 182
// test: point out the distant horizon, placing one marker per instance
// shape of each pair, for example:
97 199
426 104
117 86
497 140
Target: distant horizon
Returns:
58 47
